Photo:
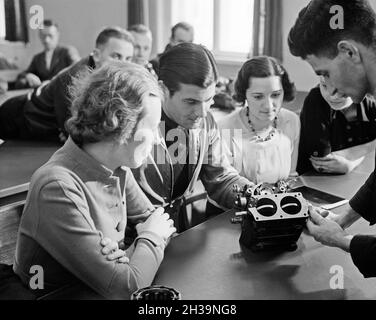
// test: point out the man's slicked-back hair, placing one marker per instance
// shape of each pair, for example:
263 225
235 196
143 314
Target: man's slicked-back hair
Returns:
262 67
313 32
49 23
139 28
187 63
182 25
113 32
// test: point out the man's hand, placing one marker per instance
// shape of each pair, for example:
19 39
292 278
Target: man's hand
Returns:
328 232
158 222
32 80
332 163
344 219
112 252
325 213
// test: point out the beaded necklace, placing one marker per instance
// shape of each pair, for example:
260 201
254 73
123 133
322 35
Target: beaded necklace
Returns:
258 137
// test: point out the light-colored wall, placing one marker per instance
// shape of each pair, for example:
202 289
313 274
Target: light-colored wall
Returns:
79 22
300 71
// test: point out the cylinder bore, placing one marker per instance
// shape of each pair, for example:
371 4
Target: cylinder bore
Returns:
291 205
266 207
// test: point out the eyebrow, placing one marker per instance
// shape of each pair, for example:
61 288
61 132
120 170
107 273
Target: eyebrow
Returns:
275 91
193 99
320 72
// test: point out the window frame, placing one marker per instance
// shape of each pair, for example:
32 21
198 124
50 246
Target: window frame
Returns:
225 57
2 8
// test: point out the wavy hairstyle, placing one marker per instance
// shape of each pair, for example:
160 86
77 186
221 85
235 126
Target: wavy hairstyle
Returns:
108 103
262 67
313 34
187 63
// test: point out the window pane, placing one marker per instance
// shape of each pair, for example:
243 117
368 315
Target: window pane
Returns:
2 20
236 25
198 13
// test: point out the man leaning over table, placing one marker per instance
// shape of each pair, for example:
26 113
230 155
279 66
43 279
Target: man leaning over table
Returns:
346 58
192 148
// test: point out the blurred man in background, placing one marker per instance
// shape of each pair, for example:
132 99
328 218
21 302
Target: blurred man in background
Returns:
143 42
46 64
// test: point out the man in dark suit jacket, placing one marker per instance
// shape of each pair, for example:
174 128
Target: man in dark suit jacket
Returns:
46 64
41 115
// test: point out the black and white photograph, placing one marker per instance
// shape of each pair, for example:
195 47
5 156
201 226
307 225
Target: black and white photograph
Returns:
209 152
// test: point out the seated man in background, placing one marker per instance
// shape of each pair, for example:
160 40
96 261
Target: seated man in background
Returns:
336 133
192 147
46 64
86 194
41 115
143 42
180 33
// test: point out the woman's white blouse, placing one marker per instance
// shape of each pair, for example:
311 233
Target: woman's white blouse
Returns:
267 161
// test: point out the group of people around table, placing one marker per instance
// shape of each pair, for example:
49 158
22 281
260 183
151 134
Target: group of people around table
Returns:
135 146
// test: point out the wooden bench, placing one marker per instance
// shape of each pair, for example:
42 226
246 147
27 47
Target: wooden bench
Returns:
18 161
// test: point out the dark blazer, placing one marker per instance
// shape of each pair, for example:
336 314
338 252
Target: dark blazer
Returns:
62 57
363 247
41 115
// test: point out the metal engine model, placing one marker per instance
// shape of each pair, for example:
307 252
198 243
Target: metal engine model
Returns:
272 216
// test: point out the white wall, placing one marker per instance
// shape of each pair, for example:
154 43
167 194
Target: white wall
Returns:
299 70
79 22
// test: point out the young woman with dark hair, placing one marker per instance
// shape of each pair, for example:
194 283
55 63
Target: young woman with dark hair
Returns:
264 136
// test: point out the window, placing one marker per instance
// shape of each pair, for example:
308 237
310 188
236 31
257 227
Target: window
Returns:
2 20
224 26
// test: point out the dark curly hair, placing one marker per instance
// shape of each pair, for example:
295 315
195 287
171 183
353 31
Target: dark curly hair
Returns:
312 32
108 103
262 67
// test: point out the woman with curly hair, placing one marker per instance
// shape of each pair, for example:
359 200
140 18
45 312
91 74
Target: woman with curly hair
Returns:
263 137
82 199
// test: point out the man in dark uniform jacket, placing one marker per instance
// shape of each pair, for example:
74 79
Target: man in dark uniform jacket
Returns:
345 57
191 147
48 63
41 115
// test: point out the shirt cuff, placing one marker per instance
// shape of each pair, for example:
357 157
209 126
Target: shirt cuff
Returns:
362 250
155 239
360 205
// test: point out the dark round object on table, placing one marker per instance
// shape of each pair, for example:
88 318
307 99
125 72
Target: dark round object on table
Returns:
156 293
266 207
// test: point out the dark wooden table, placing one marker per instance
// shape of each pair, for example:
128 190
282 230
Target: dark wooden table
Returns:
207 261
